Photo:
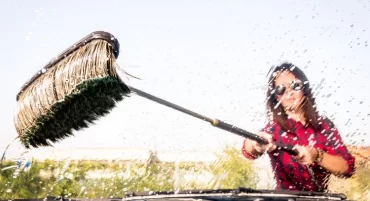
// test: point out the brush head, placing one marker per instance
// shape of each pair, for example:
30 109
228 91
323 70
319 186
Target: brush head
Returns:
71 92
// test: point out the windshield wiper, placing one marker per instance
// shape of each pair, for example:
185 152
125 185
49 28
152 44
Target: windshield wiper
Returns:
195 191
237 193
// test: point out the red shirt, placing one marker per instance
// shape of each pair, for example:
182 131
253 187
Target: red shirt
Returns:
289 174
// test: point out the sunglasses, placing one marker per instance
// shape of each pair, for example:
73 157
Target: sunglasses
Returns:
296 85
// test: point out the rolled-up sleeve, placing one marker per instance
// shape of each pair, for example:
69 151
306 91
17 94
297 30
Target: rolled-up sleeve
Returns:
245 153
267 129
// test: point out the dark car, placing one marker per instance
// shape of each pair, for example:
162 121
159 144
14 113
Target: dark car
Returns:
239 194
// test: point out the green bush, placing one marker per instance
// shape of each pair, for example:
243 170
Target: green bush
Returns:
114 179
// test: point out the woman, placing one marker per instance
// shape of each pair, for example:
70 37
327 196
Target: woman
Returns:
296 122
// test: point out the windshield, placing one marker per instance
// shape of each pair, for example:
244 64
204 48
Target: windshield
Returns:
212 58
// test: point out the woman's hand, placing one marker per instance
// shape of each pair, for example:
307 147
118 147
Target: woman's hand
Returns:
306 155
260 148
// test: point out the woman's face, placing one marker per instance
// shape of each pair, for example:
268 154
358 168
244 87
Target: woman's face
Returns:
289 90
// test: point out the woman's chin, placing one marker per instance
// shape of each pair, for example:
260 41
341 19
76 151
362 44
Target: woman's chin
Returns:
292 108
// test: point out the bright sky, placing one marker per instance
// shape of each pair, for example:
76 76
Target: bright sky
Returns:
208 56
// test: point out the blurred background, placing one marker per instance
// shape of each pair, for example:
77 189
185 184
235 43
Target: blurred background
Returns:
211 57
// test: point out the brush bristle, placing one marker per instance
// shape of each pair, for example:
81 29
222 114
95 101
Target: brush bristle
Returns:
73 94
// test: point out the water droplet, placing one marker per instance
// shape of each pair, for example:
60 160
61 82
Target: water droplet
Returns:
277 105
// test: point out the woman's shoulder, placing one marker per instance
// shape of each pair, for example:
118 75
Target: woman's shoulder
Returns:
271 126
326 122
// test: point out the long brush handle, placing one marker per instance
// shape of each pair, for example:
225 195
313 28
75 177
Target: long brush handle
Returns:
215 122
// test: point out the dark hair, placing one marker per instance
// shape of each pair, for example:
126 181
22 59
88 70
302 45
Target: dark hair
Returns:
309 106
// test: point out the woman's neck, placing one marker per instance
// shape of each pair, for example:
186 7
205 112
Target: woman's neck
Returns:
297 113
297 116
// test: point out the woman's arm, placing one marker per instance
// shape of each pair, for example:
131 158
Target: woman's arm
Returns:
253 150
248 150
336 158
335 164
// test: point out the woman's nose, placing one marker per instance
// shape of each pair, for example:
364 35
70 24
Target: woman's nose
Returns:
289 92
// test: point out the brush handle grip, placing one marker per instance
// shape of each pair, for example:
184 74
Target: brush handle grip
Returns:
241 132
